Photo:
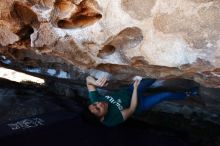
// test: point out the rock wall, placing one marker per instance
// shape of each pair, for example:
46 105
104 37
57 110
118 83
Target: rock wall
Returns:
119 38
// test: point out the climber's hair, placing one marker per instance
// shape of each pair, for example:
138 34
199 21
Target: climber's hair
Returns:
88 117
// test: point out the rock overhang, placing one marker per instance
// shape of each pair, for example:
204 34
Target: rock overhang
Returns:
114 37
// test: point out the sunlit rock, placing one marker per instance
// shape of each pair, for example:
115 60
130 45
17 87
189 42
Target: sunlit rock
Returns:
7 37
26 14
123 38
81 15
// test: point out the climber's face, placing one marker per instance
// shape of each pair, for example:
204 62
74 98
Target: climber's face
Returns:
99 109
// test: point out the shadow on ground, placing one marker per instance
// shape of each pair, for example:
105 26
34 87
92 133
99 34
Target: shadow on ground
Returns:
63 123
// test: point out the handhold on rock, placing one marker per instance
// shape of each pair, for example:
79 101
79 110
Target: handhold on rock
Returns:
139 78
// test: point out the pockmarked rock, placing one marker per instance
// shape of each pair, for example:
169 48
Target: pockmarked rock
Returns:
122 38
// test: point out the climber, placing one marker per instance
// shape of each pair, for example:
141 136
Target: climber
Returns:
117 107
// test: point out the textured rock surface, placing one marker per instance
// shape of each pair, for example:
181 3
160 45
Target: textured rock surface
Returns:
122 38
70 39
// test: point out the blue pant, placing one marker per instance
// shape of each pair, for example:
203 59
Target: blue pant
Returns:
147 102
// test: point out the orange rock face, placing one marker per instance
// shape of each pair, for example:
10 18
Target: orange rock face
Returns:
121 39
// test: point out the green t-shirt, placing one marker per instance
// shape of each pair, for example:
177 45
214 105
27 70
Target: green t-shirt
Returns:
117 101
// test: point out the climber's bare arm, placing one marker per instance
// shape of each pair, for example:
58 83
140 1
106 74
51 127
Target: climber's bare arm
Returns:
93 83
